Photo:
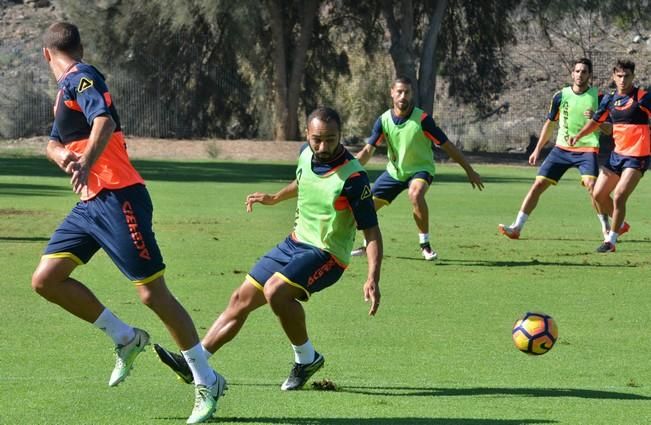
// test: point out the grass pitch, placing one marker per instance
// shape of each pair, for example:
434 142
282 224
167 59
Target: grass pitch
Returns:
438 352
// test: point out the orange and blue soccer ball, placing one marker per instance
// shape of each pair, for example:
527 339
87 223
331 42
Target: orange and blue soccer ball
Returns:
535 333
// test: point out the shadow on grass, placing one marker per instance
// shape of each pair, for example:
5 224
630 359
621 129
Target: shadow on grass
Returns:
526 263
206 171
32 189
520 392
373 421
22 239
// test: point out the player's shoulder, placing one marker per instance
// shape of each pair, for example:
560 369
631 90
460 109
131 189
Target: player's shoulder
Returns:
83 76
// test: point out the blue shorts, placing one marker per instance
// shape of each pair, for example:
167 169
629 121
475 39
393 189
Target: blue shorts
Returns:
301 265
559 161
119 222
616 163
386 188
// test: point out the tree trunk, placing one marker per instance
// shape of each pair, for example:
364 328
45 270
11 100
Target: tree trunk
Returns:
402 37
288 86
427 71
280 69
310 8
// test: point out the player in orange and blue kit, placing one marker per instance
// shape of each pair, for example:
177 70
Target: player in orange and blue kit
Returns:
114 214
629 109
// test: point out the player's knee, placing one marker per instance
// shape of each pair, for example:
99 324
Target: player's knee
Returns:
41 282
154 293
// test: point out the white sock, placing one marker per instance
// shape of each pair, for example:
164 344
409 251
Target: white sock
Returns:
423 238
198 363
206 353
520 220
120 332
612 237
304 354
603 219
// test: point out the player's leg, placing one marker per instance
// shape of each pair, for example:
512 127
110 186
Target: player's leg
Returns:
52 281
625 186
310 270
603 203
72 245
418 187
132 246
283 300
549 173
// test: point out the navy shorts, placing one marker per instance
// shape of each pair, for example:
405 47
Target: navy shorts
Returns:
559 161
386 188
616 163
118 221
301 265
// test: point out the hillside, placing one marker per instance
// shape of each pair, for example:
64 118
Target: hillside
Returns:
537 65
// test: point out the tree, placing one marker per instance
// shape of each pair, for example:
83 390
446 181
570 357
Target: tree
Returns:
462 38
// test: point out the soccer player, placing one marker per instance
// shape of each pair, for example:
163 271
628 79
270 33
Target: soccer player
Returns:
629 109
115 214
571 108
334 199
410 135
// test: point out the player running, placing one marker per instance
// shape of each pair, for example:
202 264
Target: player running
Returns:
570 109
115 214
629 109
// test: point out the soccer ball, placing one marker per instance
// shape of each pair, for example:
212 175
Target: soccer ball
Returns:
535 333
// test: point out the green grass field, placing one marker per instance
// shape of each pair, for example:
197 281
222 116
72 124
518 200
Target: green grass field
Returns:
438 352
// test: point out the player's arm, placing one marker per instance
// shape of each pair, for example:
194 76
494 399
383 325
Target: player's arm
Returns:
548 127
287 192
374 253
545 134
376 137
57 153
598 118
453 152
357 191
440 139
605 127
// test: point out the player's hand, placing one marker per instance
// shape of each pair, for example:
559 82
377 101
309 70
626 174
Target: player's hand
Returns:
372 293
533 158
259 197
572 140
64 158
80 171
475 180
588 113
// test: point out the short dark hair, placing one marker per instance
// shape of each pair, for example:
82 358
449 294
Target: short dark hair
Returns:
401 79
325 114
64 37
585 61
623 64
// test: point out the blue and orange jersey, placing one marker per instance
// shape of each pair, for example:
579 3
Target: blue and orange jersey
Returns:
630 115
430 129
356 193
82 97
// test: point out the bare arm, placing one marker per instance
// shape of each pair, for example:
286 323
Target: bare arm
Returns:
457 156
588 128
545 134
374 255
61 156
287 192
100 134
365 154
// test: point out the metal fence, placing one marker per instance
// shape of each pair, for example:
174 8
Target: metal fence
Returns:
514 123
